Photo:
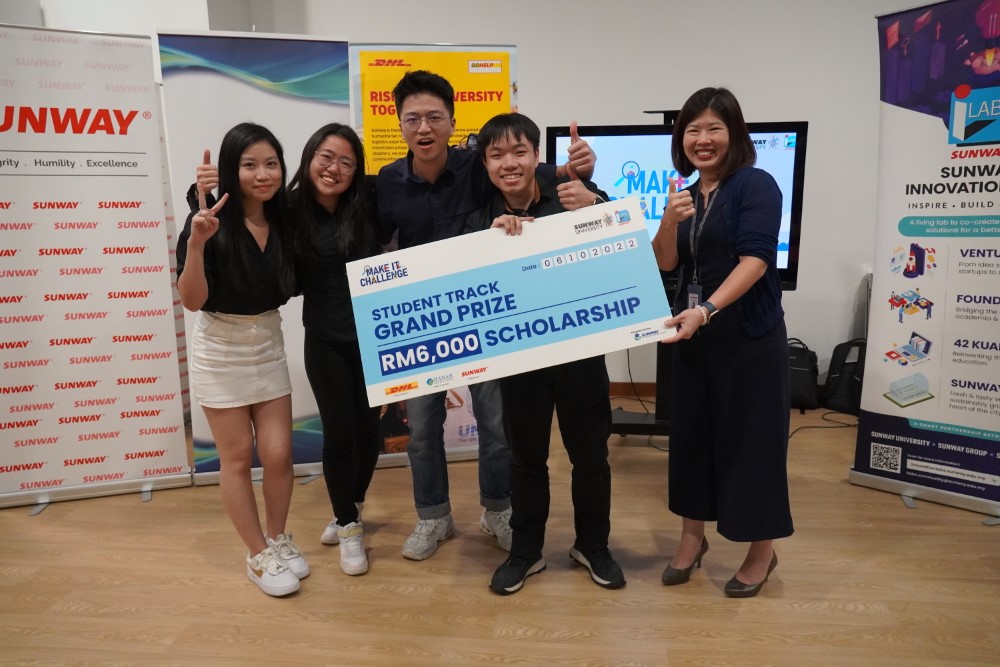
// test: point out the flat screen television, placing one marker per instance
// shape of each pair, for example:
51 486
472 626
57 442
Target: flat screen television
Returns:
634 160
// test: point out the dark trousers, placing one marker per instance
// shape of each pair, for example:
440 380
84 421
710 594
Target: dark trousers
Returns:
350 425
579 393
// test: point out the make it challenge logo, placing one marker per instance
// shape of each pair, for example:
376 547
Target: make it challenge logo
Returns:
382 273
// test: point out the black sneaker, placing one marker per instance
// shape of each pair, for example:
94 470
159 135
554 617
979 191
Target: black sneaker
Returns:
510 576
603 568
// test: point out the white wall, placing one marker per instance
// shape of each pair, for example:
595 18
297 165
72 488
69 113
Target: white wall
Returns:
21 12
136 17
604 62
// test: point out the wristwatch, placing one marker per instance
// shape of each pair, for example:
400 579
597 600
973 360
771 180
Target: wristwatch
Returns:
709 308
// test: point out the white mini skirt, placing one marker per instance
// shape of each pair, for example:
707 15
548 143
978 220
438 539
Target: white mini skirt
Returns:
238 360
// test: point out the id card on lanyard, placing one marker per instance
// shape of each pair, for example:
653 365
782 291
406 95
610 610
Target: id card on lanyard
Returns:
694 291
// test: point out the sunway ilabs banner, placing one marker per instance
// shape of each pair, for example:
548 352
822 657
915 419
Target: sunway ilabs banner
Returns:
484 306
930 421
90 391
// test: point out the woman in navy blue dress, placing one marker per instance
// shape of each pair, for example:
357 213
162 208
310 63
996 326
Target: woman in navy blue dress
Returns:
730 397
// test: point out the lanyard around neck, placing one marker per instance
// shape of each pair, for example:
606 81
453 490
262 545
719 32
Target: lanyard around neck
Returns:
694 237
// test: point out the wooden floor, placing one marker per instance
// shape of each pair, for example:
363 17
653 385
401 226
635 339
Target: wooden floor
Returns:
864 581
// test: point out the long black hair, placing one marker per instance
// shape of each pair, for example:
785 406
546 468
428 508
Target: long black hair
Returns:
720 100
356 236
232 228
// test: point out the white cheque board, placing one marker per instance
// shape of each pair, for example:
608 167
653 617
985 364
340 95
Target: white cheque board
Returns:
486 305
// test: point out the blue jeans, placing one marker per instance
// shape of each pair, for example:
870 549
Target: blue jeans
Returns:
429 465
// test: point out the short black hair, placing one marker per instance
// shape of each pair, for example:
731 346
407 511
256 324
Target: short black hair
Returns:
508 126
720 100
422 81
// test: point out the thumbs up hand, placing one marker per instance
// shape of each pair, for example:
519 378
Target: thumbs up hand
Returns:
573 194
571 172
207 178
680 205
581 156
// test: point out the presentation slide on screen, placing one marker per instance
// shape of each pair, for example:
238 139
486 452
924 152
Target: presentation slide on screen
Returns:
640 165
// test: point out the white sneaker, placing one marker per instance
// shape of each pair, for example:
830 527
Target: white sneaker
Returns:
498 525
291 554
330 532
424 540
271 574
353 559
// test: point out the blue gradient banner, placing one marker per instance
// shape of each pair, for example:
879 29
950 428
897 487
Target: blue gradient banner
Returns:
305 69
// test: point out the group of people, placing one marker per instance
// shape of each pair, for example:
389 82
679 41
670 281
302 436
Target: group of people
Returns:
243 255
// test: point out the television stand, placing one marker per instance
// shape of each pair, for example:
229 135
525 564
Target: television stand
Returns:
626 422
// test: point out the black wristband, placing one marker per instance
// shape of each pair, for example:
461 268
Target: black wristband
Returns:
709 308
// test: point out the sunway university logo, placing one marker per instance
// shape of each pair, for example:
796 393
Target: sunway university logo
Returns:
974 115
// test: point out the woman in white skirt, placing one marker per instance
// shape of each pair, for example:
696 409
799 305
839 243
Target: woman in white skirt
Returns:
235 264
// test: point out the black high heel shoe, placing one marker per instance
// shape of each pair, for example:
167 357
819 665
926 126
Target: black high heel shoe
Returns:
672 576
737 589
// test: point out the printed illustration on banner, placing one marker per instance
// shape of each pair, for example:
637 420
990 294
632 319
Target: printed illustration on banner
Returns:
909 390
910 302
913 262
915 351
975 113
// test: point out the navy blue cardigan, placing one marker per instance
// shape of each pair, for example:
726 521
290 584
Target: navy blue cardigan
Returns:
750 201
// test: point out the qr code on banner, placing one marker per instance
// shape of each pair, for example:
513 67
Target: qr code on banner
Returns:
885 457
